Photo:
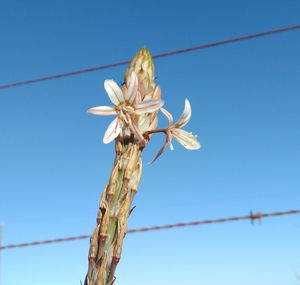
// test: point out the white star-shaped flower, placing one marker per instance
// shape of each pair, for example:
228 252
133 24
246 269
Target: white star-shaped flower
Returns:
126 105
174 130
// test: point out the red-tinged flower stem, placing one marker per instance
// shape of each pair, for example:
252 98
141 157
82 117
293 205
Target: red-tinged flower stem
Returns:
164 130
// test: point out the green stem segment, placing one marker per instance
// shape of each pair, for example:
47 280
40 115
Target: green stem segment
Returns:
107 239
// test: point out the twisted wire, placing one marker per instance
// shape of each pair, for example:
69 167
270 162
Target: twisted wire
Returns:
252 217
160 55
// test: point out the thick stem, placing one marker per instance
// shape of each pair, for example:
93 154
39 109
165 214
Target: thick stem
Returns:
107 239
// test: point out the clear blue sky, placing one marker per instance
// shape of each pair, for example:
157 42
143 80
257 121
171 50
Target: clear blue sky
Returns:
245 101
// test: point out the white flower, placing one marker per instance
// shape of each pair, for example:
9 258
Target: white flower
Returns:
187 139
125 106
174 130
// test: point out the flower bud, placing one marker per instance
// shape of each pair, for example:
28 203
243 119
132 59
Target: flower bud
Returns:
142 65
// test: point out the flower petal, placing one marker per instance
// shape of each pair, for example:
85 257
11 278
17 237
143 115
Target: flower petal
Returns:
169 140
148 106
160 152
156 93
153 94
132 88
186 115
188 140
114 92
112 131
102 111
168 115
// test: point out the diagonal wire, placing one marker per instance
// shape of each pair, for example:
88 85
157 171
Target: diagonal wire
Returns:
1 230
160 55
252 216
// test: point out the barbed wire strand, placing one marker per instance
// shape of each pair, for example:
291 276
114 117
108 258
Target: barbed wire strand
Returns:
1 230
160 55
252 216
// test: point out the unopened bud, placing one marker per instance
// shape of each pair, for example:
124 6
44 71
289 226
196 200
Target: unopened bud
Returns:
94 245
104 224
135 182
142 65
113 181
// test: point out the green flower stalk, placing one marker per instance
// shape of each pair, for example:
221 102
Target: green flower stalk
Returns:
136 105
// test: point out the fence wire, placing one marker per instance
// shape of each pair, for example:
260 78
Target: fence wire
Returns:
159 55
252 217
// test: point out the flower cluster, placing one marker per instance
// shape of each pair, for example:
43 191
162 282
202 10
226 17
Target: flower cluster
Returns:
127 104
134 112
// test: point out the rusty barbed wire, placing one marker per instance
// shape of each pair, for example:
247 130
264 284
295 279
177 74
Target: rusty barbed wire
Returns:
44 242
252 217
159 55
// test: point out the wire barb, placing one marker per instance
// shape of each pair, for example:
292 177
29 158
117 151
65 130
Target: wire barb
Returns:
252 216
160 55
258 216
